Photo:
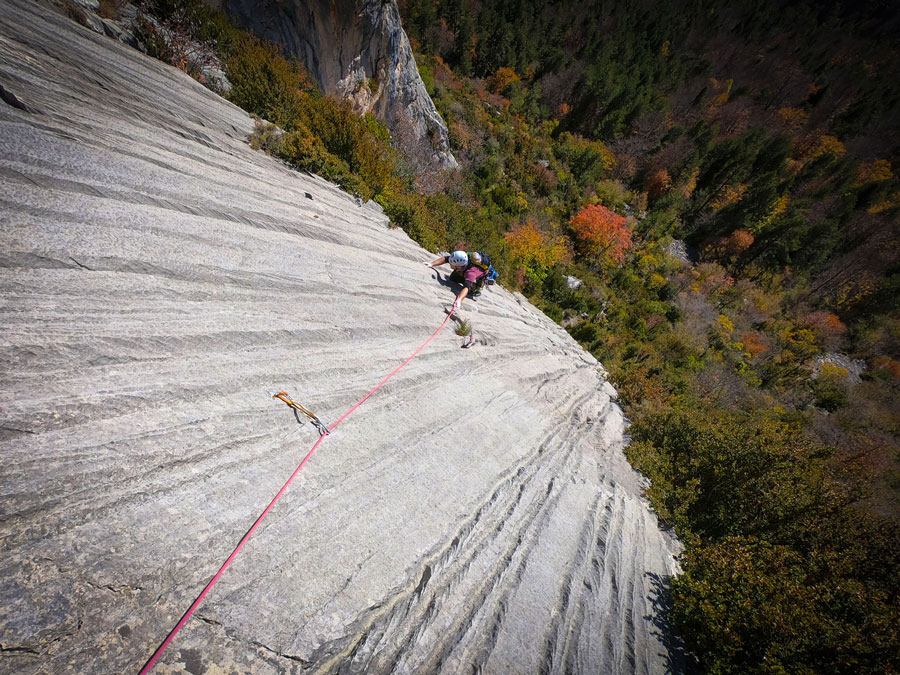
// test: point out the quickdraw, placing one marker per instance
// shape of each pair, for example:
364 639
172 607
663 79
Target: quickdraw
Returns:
323 431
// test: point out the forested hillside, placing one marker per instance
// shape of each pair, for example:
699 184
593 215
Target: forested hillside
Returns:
706 196
766 137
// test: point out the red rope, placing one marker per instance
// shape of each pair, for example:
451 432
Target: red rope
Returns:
212 582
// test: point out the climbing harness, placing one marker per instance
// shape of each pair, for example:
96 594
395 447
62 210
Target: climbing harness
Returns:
212 582
323 431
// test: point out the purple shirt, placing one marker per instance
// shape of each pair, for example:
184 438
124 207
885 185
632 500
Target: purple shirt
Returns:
471 275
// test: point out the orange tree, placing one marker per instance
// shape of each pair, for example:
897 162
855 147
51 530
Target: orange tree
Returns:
601 235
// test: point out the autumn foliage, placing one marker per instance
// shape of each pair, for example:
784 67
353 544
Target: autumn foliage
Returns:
793 118
888 364
753 343
534 250
601 234
728 249
817 145
501 79
871 172
658 183
827 327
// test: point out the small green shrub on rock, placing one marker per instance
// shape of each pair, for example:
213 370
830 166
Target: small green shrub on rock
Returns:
154 44
464 328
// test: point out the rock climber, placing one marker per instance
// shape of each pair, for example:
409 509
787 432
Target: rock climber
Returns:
470 270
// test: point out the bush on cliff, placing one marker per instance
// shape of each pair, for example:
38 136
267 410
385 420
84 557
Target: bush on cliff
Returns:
324 136
263 82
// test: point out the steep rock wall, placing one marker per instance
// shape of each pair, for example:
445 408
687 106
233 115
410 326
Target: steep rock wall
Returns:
158 280
358 50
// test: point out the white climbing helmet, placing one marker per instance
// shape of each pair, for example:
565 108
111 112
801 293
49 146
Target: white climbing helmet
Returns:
458 259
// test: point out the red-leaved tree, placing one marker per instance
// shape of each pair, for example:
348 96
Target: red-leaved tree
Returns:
601 234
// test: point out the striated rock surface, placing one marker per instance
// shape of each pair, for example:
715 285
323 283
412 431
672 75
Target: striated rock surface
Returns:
158 281
358 50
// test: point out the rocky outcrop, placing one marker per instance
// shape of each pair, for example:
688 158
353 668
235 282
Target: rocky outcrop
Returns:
358 50
159 280
853 368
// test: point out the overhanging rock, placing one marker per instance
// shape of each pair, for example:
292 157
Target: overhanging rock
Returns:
159 280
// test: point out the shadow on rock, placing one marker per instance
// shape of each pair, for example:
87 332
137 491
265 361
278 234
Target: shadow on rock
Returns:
444 280
678 660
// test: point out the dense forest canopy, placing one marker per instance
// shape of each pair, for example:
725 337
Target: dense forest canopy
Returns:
669 85
705 195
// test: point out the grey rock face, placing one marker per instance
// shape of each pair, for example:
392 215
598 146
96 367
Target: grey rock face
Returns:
158 281
680 250
854 367
358 50
86 12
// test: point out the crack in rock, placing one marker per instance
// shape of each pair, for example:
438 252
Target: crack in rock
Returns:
18 650
12 100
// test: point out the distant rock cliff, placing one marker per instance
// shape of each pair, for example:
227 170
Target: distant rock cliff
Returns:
358 50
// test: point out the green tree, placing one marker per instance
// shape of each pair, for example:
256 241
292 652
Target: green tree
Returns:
753 607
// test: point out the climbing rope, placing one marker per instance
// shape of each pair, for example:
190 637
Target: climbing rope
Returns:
212 582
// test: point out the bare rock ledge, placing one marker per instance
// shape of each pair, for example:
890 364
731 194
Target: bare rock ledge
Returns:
158 280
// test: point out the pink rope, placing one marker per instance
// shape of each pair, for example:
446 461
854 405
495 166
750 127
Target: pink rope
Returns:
212 582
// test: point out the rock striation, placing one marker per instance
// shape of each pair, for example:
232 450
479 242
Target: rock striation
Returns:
358 50
159 280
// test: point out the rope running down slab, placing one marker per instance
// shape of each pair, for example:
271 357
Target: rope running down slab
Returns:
212 582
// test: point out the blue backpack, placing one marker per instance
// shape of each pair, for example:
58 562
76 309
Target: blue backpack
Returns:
492 276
